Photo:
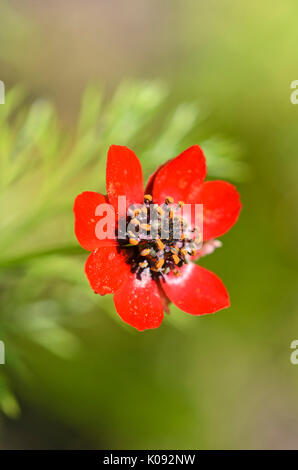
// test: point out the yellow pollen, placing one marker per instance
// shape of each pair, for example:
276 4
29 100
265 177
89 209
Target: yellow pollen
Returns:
176 259
148 197
177 273
133 241
145 252
143 264
181 203
159 263
171 214
136 212
169 200
159 244
184 251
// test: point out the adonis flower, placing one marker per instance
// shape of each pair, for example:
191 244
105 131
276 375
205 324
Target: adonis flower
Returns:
144 257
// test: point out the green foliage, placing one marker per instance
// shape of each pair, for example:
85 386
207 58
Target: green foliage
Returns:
43 167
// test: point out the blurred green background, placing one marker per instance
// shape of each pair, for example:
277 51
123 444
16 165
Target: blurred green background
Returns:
157 77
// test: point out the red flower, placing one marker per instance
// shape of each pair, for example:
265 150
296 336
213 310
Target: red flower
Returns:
145 275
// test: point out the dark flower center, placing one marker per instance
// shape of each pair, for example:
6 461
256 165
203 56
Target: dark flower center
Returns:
158 239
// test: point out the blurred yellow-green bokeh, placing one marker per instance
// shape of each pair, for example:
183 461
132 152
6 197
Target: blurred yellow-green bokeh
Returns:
156 76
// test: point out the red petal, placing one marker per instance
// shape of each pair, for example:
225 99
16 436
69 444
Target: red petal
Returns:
139 304
181 177
197 291
85 220
106 270
221 207
150 182
124 176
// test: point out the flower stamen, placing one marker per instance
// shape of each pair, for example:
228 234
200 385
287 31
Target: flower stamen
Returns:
162 242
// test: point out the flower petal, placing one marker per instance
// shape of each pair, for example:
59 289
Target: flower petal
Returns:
150 182
197 291
106 270
124 176
181 177
139 304
221 207
85 220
